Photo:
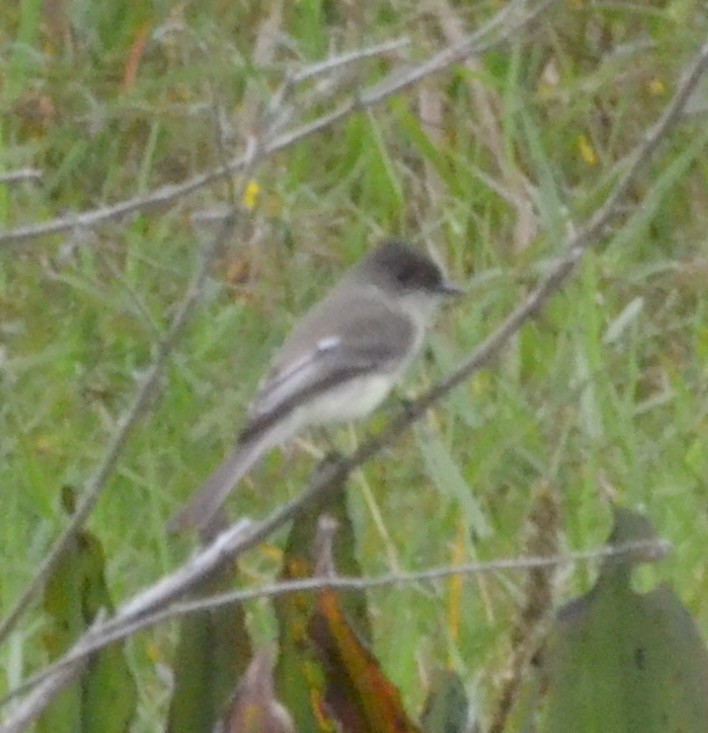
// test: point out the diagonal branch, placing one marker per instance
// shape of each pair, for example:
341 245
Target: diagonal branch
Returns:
110 633
503 26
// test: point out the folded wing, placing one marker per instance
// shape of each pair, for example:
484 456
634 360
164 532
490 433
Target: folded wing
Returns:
362 345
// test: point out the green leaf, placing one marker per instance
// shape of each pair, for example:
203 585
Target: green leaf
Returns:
300 679
446 708
213 652
105 696
625 662
448 477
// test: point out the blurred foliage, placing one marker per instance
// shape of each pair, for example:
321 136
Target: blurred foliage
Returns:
73 598
491 162
622 661
213 651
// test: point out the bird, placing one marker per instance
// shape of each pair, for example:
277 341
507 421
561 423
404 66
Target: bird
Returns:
337 365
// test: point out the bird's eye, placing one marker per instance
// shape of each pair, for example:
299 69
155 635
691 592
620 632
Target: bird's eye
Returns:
406 275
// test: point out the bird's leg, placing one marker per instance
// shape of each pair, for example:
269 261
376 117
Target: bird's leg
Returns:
405 404
325 436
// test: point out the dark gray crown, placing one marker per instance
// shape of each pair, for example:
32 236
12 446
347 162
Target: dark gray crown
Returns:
405 268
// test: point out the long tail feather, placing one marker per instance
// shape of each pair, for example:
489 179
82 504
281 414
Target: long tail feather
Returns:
202 507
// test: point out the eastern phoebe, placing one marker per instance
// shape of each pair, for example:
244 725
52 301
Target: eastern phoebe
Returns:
337 365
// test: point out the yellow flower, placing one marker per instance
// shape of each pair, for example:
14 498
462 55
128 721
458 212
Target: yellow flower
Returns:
250 194
657 87
586 150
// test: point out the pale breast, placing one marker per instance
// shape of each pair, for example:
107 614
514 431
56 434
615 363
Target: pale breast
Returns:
351 400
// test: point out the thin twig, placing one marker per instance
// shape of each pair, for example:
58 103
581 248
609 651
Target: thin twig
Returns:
503 25
21 174
345 59
654 548
118 628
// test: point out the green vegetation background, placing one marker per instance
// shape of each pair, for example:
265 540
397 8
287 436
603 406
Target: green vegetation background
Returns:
493 162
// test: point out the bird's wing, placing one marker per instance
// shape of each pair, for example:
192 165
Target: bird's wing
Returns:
378 340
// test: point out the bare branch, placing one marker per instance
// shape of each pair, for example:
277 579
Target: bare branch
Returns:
345 59
504 25
654 548
124 625
21 174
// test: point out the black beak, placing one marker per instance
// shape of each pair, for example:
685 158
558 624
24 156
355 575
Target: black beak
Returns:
448 288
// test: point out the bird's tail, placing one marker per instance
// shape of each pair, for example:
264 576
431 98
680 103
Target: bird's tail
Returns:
202 507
